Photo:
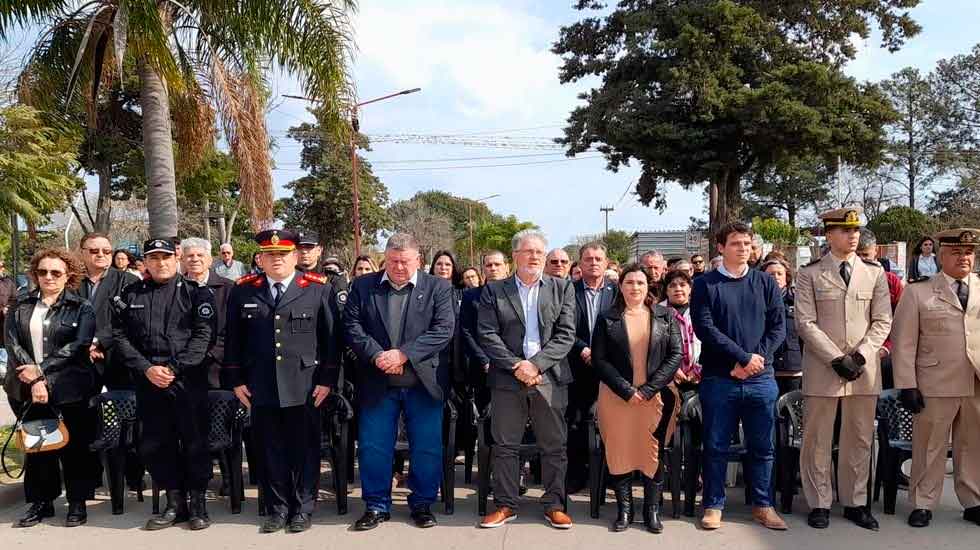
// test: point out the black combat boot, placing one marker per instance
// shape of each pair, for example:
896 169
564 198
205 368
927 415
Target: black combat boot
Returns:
199 511
175 512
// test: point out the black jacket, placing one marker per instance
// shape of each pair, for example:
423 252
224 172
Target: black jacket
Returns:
501 327
611 353
220 289
427 330
789 356
585 387
69 327
8 297
280 351
113 283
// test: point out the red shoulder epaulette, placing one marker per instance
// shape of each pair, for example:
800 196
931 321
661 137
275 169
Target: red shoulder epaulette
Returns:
310 277
250 278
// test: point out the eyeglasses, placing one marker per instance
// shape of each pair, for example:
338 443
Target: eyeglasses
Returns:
54 273
95 251
558 262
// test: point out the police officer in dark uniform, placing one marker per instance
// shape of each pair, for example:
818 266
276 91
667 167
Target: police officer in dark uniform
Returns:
282 359
162 329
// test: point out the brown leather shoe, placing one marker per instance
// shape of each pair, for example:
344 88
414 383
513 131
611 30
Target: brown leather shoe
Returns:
769 518
711 519
558 519
499 517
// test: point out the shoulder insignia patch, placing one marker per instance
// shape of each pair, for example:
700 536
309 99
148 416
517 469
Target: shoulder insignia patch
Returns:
919 280
871 262
205 310
342 297
314 277
245 279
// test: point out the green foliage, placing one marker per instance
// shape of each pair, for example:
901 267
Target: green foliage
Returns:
457 211
618 245
778 232
788 187
37 166
959 206
323 200
496 233
901 223
708 91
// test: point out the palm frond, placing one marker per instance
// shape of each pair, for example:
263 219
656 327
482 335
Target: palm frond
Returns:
193 127
28 12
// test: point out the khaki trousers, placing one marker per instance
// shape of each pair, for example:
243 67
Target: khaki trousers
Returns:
930 441
854 460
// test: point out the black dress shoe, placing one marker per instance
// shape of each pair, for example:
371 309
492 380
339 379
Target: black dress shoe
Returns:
76 514
819 518
35 513
861 516
972 514
423 517
299 523
370 520
199 518
275 522
175 512
920 518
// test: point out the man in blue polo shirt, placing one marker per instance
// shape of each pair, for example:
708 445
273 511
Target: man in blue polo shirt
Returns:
738 316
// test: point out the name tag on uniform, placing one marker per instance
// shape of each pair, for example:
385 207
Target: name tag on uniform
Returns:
936 306
250 306
137 306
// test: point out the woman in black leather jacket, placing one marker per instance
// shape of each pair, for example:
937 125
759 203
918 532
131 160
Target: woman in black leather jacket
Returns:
48 333
636 350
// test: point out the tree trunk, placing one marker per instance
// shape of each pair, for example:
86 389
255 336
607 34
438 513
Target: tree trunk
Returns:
231 222
207 220
158 149
732 196
103 208
791 214
222 231
713 216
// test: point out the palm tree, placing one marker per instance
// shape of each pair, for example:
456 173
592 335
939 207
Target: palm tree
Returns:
193 58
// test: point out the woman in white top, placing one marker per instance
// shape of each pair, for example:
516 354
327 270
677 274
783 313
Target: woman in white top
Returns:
48 333
924 262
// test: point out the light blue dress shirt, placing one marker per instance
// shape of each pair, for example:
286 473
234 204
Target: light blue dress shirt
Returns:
529 302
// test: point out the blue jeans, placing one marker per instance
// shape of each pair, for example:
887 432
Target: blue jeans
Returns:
377 430
725 402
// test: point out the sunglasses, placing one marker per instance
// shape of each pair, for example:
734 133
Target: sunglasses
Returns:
558 262
94 251
54 273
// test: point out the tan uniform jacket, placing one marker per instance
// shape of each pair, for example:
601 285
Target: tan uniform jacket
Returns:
834 319
936 347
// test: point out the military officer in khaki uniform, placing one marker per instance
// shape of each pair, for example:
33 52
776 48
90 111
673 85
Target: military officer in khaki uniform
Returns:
843 316
936 358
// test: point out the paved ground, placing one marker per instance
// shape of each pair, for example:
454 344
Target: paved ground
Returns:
240 532
6 415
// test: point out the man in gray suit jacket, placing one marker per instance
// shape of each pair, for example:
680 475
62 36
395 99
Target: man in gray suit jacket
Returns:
526 326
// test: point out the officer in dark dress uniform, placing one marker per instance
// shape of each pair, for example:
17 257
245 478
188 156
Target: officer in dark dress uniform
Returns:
281 357
162 329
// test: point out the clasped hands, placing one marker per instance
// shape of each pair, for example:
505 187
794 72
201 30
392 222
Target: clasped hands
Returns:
755 365
391 361
527 373
849 367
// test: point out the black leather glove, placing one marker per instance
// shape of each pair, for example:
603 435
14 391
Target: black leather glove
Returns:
912 400
847 368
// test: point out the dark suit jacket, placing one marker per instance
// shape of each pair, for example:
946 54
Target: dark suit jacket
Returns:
220 289
613 362
585 387
281 351
501 327
113 283
427 330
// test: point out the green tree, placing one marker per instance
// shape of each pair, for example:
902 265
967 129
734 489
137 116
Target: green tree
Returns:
778 232
323 200
496 233
191 56
617 245
787 187
901 223
37 167
958 206
956 84
711 90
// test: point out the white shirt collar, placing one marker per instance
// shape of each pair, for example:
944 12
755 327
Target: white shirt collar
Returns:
285 282
520 283
414 280
952 281
730 275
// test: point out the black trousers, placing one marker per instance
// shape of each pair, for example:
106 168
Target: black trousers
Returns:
787 384
576 418
288 439
74 464
174 442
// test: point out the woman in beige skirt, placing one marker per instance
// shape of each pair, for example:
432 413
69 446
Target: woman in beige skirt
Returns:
636 349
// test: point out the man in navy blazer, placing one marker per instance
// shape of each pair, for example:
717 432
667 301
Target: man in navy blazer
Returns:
593 295
397 322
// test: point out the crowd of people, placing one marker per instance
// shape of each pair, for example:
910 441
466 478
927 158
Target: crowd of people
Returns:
534 338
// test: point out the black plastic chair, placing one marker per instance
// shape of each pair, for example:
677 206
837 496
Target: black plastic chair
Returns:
227 418
447 486
528 451
670 459
467 433
117 433
337 414
894 445
789 440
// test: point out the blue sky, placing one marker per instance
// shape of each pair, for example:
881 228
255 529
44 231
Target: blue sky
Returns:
485 68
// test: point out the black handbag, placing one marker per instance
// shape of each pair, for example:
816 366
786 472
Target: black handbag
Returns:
40 435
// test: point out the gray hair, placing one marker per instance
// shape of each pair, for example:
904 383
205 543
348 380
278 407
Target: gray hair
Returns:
655 254
867 239
594 245
757 240
402 241
195 242
683 264
555 251
228 245
521 236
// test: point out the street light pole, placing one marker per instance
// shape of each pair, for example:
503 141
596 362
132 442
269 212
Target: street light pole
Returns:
355 127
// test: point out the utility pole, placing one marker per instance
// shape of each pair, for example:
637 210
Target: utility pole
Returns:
606 210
